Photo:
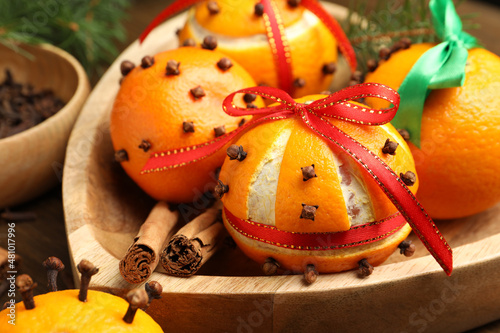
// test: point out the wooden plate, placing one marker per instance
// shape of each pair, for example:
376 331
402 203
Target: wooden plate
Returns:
104 210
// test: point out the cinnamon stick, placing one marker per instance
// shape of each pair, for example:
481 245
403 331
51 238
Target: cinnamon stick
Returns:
142 257
194 244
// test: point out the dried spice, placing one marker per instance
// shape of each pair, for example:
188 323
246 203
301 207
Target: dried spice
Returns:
299 82
197 92
219 131
21 107
147 62
188 127
365 268
189 42
390 147
213 7
121 156
258 9
25 285
404 134
293 3
142 256
194 243
308 172
154 290
209 43
87 270
224 64
220 189
252 106
310 274
126 67
409 178
145 145
308 212
407 248
329 68
371 65
236 152
53 265
249 98
384 53
136 298
172 67
270 266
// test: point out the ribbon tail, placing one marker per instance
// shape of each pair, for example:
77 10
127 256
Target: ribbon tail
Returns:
415 89
335 28
172 9
393 187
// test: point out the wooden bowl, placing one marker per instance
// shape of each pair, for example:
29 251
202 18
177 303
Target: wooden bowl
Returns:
104 210
32 161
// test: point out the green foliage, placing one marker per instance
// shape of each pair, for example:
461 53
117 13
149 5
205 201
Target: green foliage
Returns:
372 25
88 29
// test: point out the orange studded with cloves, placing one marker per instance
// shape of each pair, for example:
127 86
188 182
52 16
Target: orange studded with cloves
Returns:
239 29
292 180
174 102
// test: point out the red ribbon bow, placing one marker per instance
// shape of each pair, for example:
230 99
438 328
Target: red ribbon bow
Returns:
337 105
275 34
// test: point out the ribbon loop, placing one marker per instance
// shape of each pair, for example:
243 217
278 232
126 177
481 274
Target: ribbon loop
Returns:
313 115
442 66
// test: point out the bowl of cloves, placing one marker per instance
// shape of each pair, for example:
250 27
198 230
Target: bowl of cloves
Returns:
42 89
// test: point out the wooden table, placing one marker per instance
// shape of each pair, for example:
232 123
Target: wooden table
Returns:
46 236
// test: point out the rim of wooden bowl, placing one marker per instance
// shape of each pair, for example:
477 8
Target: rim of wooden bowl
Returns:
389 278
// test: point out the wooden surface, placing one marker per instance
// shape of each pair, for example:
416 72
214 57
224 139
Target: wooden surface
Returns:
29 158
37 240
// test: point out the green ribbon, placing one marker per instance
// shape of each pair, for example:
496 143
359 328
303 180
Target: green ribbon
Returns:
442 66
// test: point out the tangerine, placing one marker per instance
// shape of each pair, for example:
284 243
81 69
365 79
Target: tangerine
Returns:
269 187
458 161
312 46
159 108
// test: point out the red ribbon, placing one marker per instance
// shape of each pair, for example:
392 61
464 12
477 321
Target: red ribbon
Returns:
275 34
356 236
337 105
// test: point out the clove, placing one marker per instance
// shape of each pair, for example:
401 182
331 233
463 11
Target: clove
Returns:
172 67
224 64
390 147
310 274
53 265
87 269
258 9
299 82
188 127
189 42
220 189
121 156
147 62
197 92
145 145
407 248
25 285
365 268
209 43
308 172
409 178
270 266
329 68
136 298
126 67
153 290
404 134
249 98
219 131
308 212
213 7
236 152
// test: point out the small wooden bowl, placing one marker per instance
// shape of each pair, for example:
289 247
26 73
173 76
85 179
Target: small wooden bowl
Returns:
32 161
104 210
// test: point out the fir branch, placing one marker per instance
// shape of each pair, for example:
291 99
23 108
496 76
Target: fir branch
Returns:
88 29
372 27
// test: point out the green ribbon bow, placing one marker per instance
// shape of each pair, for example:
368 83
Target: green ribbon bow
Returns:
442 66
